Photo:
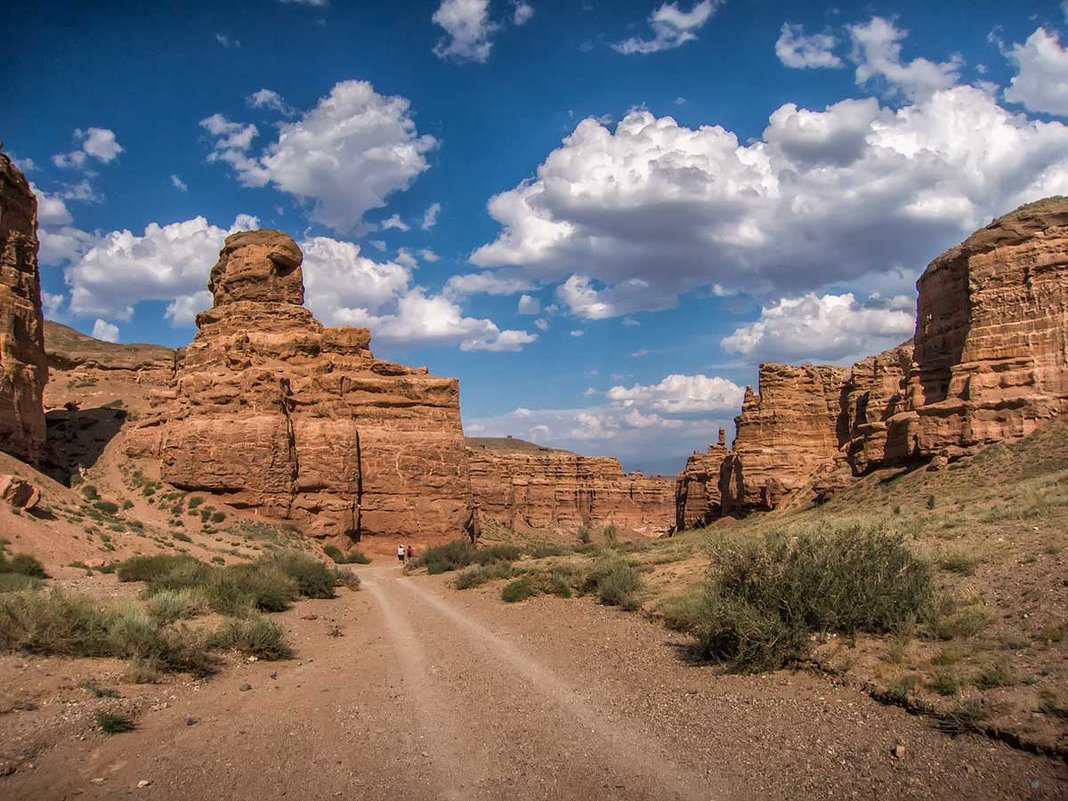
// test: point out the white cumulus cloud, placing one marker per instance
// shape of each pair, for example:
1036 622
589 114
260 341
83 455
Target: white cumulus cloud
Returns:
672 27
799 51
109 332
343 158
627 217
467 30
96 143
825 328
877 54
1041 80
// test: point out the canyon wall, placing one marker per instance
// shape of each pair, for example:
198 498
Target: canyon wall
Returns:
522 486
23 367
988 363
271 411
697 490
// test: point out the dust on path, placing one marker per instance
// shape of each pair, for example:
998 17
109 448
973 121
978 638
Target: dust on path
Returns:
436 694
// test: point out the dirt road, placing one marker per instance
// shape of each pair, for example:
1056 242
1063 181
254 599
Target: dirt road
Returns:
429 693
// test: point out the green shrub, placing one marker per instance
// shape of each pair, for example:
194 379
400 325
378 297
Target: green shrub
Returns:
504 552
766 595
584 534
962 563
90 492
136 634
314 579
100 692
255 636
946 681
237 589
996 674
114 722
150 568
540 550
350 558
54 624
952 623
451 556
107 507
518 590
614 582
480 574
17 582
168 606
195 501
218 517
22 564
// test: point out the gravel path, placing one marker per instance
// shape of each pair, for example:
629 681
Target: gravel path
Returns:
432 693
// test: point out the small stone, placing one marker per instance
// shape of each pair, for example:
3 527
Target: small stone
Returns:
1035 784
190 721
898 751
245 687
141 785
97 780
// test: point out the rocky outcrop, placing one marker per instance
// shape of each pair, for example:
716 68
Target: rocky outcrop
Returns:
522 486
697 492
988 363
71 351
991 360
785 432
271 411
23 368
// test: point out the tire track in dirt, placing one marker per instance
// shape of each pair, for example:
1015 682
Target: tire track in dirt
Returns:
511 719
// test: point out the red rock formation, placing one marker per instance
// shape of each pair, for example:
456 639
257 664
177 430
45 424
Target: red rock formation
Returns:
23 368
988 363
874 392
522 485
784 434
273 411
697 493
991 359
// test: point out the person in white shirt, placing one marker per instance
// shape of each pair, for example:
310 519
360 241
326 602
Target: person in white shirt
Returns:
400 553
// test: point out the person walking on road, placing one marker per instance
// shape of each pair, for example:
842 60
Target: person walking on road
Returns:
400 554
411 553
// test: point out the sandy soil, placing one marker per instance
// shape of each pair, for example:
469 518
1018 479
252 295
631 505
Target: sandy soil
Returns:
411 690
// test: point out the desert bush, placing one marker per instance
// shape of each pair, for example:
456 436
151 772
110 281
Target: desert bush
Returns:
114 722
350 558
996 674
168 606
584 535
90 492
960 562
53 623
17 582
107 507
218 517
314 579
255 636
519 590
540 550
478 575
22 564
450 556
614 582
194 501
766 595
100 692
611 534
964 718
151 568
952 622
237 589
136 634
946 681
505 552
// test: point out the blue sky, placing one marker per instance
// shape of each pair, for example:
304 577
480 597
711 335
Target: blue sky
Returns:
599 216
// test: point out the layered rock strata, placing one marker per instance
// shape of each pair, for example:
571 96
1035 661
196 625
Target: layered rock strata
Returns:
23 366
524 486
697 494
988 363
273 412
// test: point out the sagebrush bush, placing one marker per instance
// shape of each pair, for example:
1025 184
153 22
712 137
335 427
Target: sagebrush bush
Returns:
150 568
168 606
614 582
519 590
351 558
17 582
54 624
22 564
478 575
766 595
255 636
450 556
313 578
114 722
504 552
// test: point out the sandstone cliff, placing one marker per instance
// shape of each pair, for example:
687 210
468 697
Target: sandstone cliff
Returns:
784 434
274 412
23 368
697 492
988 363
522 485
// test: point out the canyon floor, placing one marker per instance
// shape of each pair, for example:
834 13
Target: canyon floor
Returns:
408 689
